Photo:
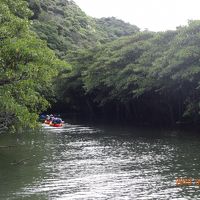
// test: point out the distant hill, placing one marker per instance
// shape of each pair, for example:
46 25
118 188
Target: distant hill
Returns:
66 27
114 28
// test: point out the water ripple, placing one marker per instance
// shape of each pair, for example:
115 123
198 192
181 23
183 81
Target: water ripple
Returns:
86 163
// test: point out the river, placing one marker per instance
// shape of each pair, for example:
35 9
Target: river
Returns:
80 161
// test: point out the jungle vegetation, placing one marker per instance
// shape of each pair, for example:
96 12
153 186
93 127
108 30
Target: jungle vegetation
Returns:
147 77
27 68
67 28
115 71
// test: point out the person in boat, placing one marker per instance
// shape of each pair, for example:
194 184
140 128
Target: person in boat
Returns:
57 121
52 117
47 117
42 118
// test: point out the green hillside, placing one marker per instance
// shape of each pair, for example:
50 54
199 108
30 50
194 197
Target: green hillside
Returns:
66 27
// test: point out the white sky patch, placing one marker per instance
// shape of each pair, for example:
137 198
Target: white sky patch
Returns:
155 15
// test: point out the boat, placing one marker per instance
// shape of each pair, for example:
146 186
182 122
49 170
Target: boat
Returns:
53 121
56 125
57 122
47 121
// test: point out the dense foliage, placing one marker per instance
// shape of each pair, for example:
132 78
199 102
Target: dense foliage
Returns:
148 77
66 27
27 68
117 70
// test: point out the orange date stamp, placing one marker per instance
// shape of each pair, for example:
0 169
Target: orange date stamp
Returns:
187 182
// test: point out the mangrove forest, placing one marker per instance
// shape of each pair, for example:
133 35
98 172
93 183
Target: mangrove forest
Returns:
53 56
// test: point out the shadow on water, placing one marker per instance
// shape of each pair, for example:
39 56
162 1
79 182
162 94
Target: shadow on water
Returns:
19 162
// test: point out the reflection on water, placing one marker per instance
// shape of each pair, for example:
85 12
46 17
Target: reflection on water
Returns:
80 162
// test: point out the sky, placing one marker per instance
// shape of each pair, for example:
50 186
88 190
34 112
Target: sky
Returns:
154 15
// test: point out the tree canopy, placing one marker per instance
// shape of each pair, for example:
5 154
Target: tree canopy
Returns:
149 77
27 68
116 71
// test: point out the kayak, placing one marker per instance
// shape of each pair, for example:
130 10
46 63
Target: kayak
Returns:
55 122
47 121
56 125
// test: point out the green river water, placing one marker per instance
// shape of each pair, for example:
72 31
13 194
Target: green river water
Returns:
80 161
